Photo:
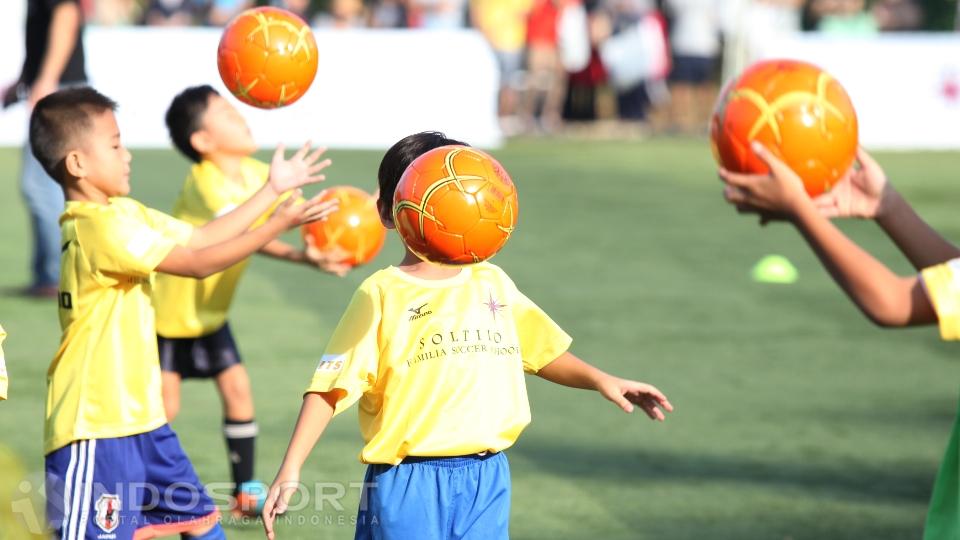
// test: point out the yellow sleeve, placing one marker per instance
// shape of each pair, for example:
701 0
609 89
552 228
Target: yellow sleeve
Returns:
541 339
942 283
123 244
175 229
3 367
350 362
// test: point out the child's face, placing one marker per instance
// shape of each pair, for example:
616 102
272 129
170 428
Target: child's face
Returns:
224 130
103 161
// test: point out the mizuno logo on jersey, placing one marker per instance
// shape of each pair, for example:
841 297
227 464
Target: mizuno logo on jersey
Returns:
418 312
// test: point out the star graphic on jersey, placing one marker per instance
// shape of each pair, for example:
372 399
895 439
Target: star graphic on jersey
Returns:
493 306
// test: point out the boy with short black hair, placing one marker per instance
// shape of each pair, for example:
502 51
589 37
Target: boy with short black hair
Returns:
193 333
436 356
114 467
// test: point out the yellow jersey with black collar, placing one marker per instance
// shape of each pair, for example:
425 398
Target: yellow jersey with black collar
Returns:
188 308
104 381
437 365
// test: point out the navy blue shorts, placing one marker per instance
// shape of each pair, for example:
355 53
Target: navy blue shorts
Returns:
692 69
201 357
139 486
465 497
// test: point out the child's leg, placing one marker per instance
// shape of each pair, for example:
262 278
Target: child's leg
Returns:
239 427
437 498
180 503
171 394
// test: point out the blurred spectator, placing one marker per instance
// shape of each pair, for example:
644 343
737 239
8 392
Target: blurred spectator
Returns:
748 25
897 15
388 14
504 24
54 58
546 79
343 14
169 13
116 12
437 14
222 11
695 39
843 17
301 8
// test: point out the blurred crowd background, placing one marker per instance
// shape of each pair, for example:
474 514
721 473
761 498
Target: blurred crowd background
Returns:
603 67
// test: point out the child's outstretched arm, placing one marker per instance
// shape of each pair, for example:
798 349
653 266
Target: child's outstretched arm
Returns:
865 193
285 174
886 298
195 262
315 415
571 371
328 263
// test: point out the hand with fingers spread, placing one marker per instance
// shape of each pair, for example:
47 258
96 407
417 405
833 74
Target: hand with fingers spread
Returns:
283 487
294 213
301 169
863 193
777 194
626 393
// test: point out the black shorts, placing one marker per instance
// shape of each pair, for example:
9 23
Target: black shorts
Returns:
201 357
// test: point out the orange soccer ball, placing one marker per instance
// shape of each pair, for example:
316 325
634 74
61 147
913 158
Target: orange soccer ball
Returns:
455 205
797 111
353 231
267 57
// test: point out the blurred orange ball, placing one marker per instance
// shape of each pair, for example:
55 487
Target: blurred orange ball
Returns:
267 57
455 205
353 231
797 111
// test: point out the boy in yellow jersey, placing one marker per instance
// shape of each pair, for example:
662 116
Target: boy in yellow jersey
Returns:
114 467
193 334
932 296
436 357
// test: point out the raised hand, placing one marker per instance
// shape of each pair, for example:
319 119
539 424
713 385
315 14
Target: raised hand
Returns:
626 393
331 262
301 169
777 193
294 213
863 193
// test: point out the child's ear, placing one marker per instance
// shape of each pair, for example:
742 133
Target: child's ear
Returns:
74 164
386 214
201 142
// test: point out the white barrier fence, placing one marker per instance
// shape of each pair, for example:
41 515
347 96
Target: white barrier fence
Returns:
372 86
906 88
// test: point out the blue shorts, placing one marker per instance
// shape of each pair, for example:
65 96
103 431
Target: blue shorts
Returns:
442 498
141 486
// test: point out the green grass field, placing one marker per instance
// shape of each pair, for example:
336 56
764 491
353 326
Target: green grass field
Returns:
795 418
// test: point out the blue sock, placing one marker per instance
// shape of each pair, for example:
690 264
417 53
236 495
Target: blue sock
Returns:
216 533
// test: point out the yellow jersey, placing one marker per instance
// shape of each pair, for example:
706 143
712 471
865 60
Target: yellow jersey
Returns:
437 365
104 381
188 308
3 367
942 283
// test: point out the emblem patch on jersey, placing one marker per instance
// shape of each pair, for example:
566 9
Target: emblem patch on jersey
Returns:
108 512
494 306
419 312
330 363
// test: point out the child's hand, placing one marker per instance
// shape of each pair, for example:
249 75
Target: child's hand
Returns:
294 214
330 262
301 169
863 193
284 485
627 393
776 195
